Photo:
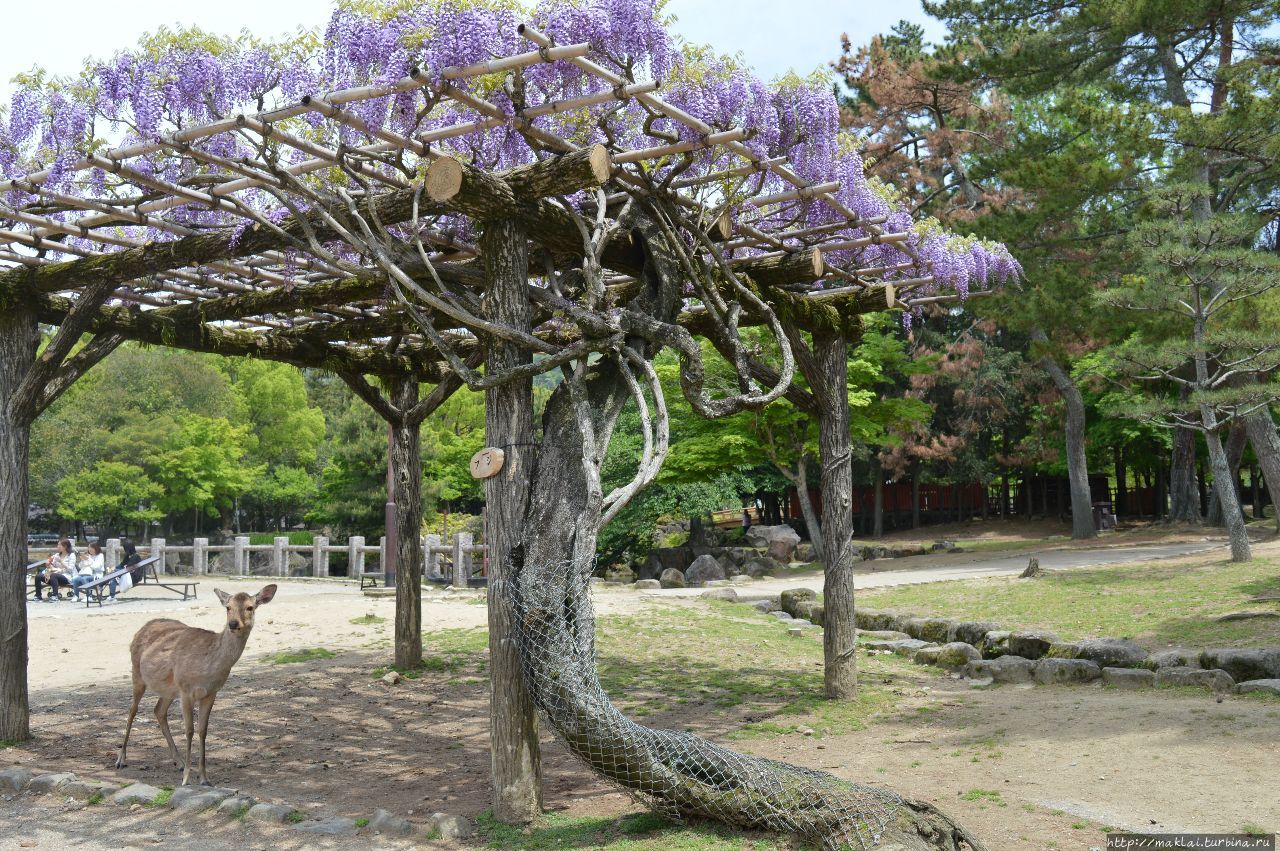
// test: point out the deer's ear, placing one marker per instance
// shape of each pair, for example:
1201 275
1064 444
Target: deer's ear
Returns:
222 595
265 595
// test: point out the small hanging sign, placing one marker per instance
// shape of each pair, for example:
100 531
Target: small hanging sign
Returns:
486 463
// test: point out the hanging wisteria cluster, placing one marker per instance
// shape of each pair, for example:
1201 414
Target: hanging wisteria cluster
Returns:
180 81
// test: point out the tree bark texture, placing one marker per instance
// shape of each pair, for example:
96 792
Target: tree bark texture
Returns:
1266 445
811 522
1184 493
835 454
1077 458
406 476
1232 513
513 723
19 337
1237 439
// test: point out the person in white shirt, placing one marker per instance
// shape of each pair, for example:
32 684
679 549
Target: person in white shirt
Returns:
58 570
92 565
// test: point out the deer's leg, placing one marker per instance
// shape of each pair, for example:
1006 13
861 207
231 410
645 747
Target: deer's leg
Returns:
139 688
162 716
206 707
188 722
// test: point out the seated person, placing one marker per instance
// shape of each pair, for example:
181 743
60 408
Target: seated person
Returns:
58 570
92 565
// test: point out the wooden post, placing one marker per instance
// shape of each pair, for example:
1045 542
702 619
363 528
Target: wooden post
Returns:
19 336
319 556
200 556
516 759
355 556
403 548
240 555
432 558
461 567
279 556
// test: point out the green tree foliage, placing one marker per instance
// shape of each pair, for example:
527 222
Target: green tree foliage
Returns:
110 494
203 466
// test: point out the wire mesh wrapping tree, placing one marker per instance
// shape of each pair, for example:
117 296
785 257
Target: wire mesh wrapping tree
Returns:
472 212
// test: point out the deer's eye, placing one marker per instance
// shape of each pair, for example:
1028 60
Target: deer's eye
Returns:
248 608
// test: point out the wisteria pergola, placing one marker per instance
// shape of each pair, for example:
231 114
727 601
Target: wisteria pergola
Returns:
520 206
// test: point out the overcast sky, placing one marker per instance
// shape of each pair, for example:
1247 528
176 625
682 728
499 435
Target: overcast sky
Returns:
772 36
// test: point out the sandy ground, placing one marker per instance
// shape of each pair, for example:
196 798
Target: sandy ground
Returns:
328 737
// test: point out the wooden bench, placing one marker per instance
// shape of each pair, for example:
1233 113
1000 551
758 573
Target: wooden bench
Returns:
31 571
95 590
371 579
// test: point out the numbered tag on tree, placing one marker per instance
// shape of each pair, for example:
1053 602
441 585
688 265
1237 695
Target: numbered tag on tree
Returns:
486 463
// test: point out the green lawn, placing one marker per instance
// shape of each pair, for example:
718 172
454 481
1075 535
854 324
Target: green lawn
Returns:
1157 603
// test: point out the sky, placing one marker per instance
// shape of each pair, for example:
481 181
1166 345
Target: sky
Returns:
805 38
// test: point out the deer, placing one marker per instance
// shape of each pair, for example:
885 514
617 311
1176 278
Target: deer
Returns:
180 662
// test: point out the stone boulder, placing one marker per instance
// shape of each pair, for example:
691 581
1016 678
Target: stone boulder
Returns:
936 630
760 565
805 552
1244 664
664 558
646 585
811 611
881 635
449 826
671 578
956 654
995 644
1054 671
927 655
1031 643
721 594
910 624
1214 680
740 555
1259 686
136 793
792 597
1002 669
765 606
902 646
971 632
1128 678
780 541
1107 652
873 619
703 569
1175 658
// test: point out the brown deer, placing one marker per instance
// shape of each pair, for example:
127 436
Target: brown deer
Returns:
177 661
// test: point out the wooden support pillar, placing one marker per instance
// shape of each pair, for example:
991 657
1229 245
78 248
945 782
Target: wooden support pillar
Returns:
513 722
19 337
405 498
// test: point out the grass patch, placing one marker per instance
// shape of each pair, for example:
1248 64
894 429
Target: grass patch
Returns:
992 795
162 800
1156 603
362 822
305 654
1254 830
366 620
295 816
635 832
95 799
6 743
242 811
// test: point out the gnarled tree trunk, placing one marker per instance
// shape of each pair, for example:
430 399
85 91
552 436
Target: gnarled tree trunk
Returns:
1077 459
1266 445
406 477
1237 438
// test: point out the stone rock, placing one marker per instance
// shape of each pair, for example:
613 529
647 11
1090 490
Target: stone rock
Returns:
274 813
1032 570
135 793
449 826
392 678
794 596
956 654
779 541
1175 658
664 558
739 555
717 583
757 566
902 646
971 632
805 552
202 800
671 578
873 619
385 822
907 552
233 805
1244 665
704 567
1128 678
727 565
757 537
1261 686
995 644
14 779
1002 669
83 790
927 655
764 606
1107 652
339 826
881 635
1054 671
811 611
795 631
1031 643
911 625
1214 679
721 594
49 782
781 615
936 630
942 546
646 585
740 578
